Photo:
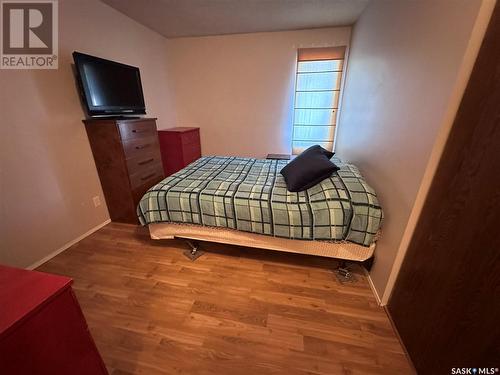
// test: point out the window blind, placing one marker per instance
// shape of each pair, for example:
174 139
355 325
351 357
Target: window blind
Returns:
317 92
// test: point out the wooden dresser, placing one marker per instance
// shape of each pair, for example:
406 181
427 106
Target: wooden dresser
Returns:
42 328
179 147
128 160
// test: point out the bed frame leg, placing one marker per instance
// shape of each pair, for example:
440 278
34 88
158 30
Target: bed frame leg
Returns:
194 253
343 273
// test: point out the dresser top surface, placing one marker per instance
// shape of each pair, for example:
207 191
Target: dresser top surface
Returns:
22 291
116 120
179 129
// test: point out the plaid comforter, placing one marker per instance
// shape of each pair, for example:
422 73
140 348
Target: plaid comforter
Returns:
250 195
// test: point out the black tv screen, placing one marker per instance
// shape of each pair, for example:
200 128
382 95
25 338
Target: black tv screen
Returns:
109 88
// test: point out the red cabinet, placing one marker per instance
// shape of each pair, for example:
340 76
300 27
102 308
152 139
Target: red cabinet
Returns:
179 147
42 328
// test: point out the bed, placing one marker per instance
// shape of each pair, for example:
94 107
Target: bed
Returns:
244 201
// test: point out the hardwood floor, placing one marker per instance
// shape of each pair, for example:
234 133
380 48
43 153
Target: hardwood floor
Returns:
233 311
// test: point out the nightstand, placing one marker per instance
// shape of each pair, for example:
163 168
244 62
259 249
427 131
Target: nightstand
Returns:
179 147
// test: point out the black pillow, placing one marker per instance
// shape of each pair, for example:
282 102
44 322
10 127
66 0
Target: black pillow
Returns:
318 148
308 169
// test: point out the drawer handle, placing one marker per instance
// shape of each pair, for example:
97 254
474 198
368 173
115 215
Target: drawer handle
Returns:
146 161
139 130
141 146
148 176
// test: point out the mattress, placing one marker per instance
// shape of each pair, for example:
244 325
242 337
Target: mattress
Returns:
250 195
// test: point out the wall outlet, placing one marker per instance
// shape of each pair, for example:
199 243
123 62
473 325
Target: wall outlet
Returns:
97 201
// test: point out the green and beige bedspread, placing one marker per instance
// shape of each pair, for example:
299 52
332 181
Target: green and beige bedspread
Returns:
250 195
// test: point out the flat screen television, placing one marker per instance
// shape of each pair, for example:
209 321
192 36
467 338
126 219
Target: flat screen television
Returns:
109 88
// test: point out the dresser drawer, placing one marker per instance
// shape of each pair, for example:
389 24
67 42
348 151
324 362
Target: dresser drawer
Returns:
136 147
136 129
140 162
149 175
191 137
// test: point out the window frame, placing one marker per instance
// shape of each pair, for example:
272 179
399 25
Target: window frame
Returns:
321 54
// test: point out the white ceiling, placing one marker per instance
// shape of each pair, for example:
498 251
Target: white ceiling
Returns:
178 18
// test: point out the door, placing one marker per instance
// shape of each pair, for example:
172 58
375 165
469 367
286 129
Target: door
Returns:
446 301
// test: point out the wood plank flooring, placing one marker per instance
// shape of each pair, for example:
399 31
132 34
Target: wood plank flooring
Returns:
233 311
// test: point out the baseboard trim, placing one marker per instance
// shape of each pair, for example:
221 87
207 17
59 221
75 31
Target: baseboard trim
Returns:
67 245
372 286
398 336
386 310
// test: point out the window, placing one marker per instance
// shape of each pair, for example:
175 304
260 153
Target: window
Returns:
317 92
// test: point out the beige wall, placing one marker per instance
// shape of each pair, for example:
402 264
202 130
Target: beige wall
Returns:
239 89
47 173
403 67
